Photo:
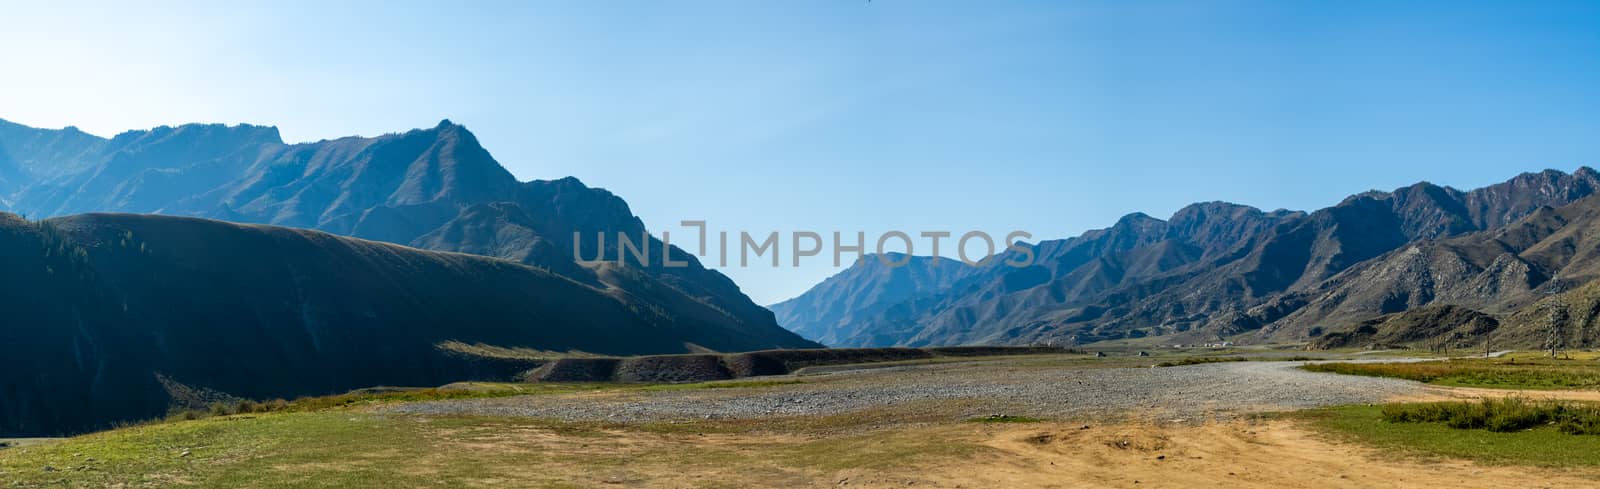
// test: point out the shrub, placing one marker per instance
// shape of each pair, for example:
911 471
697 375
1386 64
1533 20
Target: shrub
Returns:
1200 361
1577 419
1500 415
1515 414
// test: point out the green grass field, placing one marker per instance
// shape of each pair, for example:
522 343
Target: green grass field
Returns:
1542 446
338 448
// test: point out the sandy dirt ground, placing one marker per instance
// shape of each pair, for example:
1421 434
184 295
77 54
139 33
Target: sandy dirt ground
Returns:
1268 455
1432 394
1234 454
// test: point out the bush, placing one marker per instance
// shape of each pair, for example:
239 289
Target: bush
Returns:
1200 361
1500 415
1579 419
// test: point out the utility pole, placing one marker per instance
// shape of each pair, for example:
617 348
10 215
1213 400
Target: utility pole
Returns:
1557 319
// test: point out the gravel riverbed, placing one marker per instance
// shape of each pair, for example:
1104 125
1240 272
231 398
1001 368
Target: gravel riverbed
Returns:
1219 389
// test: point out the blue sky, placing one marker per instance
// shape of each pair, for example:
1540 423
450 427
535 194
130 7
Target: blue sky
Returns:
1051 117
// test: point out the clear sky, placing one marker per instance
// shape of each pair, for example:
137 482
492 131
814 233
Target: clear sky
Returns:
1052 117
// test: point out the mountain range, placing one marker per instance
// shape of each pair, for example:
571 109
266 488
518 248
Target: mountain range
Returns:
122 280
1218 271
435 189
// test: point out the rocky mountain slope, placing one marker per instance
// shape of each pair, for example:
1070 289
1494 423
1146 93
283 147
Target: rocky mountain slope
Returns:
1425 327
1533 273
435 188
105 313
1212 271
1548 251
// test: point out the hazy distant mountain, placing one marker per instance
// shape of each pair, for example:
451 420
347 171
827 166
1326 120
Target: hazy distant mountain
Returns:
1212 271
98 305
47 153
434 188
831 312
11 177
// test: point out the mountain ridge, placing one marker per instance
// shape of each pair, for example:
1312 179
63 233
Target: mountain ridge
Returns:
407 188
1212 271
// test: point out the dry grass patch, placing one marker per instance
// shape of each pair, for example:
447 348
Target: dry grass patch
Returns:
1506 373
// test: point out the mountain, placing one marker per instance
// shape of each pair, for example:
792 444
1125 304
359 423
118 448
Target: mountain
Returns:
828 312
1075 280
1537 261
105 312
48 153
1213 270
435 188
11 177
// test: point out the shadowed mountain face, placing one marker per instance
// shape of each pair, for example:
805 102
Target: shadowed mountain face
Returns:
97 306
431 188
1212 271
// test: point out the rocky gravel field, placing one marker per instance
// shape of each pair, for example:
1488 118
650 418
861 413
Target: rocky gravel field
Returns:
1066 391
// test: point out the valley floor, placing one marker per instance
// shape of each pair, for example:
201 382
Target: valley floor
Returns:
1068 421
1053 387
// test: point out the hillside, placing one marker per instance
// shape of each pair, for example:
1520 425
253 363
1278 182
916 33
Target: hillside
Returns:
106 313
1211 271
1574 316
1500 271
1527 277
1424 327
436 188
